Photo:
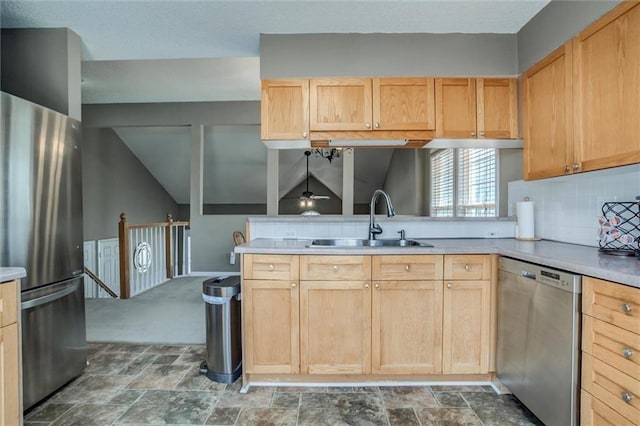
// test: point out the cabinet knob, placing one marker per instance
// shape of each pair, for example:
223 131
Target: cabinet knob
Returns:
481 133
626 308
304 134
449 285
366 285
627 353
467 267
293 285
367 125
270 267
576 167
378 286
566 169
407 268
377 124
627 397
473 133
335 268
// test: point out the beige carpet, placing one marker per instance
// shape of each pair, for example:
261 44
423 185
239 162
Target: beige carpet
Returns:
172 313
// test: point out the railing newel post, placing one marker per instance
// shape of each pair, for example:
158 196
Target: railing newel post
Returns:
168 246
123 243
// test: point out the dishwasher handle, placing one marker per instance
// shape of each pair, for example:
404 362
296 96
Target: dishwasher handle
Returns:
527 274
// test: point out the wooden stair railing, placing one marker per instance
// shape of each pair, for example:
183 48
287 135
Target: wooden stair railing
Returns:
100 283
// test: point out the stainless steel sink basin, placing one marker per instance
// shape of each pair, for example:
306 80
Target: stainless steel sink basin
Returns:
354 242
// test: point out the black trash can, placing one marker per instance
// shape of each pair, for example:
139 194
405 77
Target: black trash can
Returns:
224 346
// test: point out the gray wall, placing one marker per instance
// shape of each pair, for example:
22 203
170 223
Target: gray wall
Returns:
333 55
555 24
211 242
403 182
115 181
509 169
42 65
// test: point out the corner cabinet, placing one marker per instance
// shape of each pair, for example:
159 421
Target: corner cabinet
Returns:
580 103
358 315
476 108
284 109
10 359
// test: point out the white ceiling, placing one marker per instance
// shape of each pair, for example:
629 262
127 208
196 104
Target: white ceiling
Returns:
183 50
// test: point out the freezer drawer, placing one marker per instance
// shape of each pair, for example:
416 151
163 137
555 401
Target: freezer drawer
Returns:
54 347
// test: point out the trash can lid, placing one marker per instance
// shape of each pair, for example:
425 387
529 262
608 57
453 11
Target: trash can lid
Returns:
221 286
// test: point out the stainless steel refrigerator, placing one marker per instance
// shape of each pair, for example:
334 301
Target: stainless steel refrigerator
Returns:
41 230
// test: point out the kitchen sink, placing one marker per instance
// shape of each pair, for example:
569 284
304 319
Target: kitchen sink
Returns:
355 242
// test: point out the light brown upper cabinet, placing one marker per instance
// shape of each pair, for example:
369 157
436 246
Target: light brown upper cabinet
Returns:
341 104
548 115
476 108
404 104
607 90
370 104
284 109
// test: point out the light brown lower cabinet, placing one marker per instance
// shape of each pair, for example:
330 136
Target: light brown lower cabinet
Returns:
360 315
10 371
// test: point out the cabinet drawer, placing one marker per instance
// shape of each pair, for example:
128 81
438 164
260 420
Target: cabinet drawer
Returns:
334 268
614 388
270 267
404 268
614 303
594 412
613 345
467 267
8 303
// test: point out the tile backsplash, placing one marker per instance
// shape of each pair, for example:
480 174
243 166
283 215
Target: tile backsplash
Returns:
567 207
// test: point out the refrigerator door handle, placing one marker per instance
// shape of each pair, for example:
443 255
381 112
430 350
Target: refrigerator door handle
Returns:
49 297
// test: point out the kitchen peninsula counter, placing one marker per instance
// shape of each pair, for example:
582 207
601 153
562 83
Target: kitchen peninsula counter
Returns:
11 273
580 259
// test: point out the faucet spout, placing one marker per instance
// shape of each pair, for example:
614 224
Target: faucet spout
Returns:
375 229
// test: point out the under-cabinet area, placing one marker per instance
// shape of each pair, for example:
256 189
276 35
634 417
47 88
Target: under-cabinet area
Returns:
366 317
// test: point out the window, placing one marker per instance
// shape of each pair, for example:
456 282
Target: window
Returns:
463 182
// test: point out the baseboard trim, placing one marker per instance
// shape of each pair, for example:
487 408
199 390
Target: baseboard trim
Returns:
213 274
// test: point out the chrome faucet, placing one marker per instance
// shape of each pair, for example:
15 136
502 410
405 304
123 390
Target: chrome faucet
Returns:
374 228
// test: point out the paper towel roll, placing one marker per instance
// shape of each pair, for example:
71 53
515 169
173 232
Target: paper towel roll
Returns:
524 212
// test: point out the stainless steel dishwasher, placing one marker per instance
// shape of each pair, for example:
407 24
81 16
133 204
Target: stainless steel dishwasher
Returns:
539 339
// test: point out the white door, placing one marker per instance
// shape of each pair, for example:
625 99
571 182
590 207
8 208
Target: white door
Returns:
109 265
89 250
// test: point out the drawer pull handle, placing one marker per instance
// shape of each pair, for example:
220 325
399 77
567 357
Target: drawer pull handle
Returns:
407 268
467 267
626 308
627 353
335 268
627 397
270 267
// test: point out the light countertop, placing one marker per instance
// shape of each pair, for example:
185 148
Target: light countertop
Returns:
10 274
575 258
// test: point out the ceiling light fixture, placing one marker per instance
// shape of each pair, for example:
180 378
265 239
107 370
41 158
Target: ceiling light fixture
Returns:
328 153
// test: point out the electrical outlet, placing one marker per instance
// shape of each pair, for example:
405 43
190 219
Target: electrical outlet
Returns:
290 234
232 258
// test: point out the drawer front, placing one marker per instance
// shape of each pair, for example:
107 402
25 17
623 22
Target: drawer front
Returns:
270 267
467 267
594 412
612 345
8 303
614 388
335 268
405 268
614 303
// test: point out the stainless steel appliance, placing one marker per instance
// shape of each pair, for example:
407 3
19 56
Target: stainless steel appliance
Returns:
41 228
539 339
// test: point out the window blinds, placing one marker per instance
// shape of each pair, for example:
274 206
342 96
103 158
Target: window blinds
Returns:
442 184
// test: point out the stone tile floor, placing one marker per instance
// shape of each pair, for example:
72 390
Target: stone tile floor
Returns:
151 384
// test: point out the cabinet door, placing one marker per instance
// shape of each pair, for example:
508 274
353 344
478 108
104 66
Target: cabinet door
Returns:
497 108
284 109
456 107
8 303
407 327
607 101
335 327
594 412
548 116
466 327
404 104
271 326
341 104
10 414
